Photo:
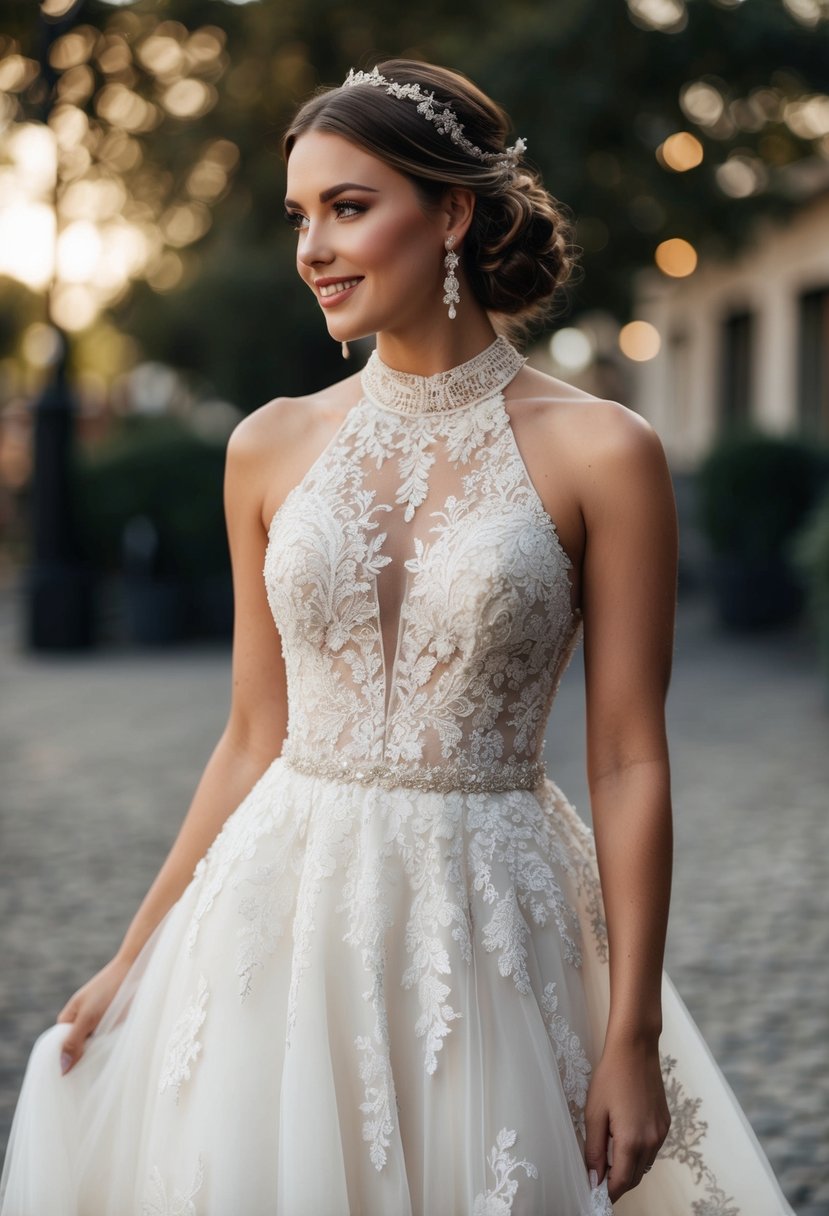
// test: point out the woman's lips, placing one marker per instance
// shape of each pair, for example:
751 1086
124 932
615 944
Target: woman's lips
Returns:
338 296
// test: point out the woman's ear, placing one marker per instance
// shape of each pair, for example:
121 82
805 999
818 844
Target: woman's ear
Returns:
459 207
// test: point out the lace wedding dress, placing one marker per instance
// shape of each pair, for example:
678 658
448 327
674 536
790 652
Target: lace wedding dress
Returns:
385 987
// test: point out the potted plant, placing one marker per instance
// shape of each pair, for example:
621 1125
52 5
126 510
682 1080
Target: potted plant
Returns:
755 490
809 551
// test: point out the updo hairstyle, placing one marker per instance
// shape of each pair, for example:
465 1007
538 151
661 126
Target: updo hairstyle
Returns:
518 251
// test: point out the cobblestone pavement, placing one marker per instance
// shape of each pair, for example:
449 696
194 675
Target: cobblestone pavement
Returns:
100 754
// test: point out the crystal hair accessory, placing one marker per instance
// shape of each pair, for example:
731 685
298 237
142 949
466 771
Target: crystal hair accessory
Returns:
442 115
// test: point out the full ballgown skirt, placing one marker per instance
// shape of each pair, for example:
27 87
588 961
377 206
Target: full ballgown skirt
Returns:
385 988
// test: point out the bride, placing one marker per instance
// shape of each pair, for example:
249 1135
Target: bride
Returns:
385 969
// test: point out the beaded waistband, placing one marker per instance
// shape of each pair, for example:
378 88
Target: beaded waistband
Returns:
510 775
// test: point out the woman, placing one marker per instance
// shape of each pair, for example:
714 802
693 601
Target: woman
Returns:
397 982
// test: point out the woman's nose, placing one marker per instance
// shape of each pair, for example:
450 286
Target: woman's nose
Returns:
312 249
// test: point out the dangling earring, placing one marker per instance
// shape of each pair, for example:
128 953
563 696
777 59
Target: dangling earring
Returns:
346 351
450 283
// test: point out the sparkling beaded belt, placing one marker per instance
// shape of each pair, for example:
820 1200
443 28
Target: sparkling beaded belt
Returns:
509 775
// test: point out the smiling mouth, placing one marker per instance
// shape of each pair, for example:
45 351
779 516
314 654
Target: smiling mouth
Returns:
334 289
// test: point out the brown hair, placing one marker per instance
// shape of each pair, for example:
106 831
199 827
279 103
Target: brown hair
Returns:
518 252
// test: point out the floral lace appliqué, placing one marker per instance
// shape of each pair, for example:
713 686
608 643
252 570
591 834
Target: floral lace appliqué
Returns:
158 1202
600 1204
517 836
237 842
183 1046
497 1200
682 1144
572 1061
375 1073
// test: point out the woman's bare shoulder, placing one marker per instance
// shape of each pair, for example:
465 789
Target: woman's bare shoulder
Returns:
273 446
283 421
587 417
595 435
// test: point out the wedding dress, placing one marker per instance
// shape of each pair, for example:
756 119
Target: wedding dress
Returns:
386 985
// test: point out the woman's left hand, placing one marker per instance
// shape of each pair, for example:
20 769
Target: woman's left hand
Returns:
625 1101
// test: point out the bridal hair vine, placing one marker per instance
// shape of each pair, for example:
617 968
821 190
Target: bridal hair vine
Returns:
442 115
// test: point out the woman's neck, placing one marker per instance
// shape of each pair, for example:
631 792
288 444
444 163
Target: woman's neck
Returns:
437 348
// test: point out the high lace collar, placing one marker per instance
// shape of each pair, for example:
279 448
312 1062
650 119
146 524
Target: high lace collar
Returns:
479 379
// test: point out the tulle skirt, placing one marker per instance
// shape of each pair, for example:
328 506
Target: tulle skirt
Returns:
370 1002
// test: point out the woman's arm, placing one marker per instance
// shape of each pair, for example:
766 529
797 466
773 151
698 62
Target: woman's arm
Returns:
628 601
256 724
257 719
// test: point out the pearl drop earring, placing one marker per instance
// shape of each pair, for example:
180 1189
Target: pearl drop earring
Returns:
450 283
345 351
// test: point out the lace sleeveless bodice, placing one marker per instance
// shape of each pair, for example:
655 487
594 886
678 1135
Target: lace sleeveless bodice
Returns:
420 588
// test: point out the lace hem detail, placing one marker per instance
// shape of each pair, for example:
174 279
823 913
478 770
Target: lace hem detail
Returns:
600 1204
442 778
497 1200
159 1202
476 380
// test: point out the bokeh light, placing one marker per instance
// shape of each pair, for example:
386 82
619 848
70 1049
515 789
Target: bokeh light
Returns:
808 117
74 306
676 257
670 16
114 55
78 249
27 239
70 126
166 273
572 349
680 152
185 223
807 12
702 102
40 344
31 149
188 98
76 85
123 107
640 341
742 175
73 48
162 55
16 73
56 8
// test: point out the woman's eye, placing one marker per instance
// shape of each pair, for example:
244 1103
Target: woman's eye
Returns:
343 207
344 203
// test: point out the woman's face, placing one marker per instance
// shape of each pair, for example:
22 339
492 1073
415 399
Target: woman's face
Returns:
365 246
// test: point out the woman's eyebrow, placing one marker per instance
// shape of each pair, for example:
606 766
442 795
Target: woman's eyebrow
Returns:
333 191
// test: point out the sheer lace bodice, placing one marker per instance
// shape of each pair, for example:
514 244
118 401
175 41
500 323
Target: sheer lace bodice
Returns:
420 588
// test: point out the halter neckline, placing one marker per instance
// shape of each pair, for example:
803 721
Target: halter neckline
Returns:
478 379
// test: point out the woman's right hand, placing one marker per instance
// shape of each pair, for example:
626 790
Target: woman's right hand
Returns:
86 1008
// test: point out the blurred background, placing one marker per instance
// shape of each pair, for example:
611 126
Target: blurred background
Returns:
148 300
148 296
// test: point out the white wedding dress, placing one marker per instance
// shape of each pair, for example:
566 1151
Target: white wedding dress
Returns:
385 987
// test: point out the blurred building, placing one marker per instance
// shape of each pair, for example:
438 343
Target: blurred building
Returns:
745 339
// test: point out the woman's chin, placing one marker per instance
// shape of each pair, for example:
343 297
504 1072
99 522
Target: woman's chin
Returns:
349 335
